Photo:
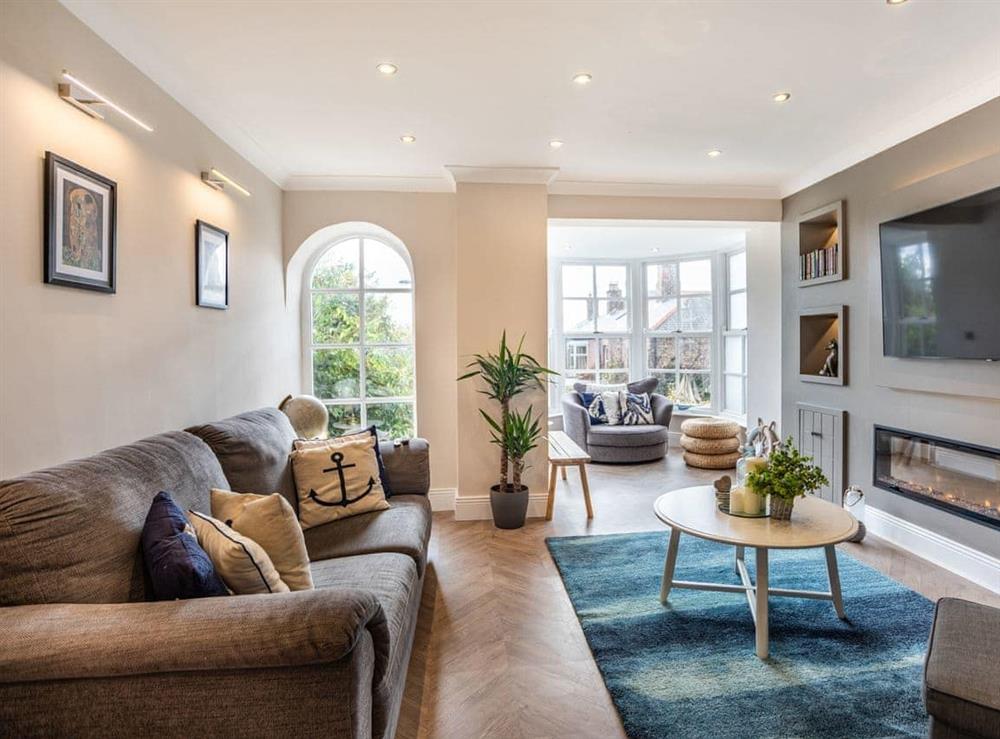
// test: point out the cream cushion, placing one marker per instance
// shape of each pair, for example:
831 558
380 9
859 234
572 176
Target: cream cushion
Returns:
337 480
271 522
241 562
710 446
709 428
711 461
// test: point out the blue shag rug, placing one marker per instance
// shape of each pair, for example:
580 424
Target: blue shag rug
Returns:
688 669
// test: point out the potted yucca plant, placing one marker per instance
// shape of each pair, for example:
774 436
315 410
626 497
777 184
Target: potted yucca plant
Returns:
786 476
505 375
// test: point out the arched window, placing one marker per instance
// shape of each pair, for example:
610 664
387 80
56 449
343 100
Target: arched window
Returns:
360 328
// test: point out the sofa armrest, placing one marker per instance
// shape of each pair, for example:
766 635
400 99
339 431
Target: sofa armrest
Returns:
663 409
66 641
408 466
576 420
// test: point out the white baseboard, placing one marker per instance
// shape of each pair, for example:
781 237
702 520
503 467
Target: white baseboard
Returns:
442 499
971 564
477 507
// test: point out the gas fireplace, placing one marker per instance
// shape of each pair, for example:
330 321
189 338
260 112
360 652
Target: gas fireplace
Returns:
963 479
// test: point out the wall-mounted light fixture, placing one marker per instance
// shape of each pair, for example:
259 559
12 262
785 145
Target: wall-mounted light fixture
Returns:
89 105
218 181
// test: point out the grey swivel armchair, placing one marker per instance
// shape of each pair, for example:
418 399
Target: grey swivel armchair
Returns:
627 444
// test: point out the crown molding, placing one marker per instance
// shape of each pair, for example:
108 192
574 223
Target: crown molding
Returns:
662 190
368 183
501 175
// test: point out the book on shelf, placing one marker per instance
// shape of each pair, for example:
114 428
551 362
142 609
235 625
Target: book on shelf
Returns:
819 263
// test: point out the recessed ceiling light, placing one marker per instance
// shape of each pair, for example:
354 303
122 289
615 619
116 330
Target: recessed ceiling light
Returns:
715 153
894 2
387 68
583 78
408 138
782 97
568 247
655 250
555 144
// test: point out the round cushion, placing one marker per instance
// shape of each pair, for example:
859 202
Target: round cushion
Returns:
709 428
711 461
710 446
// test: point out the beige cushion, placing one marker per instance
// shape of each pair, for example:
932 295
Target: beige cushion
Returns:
709 428
337 480
241 562
711 461
710 446
271 522
323 443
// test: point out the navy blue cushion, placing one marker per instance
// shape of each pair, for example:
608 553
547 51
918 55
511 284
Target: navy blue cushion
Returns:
381 466
177 565
594 404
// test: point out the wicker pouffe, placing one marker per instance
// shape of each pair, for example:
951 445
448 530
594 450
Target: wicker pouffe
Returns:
710 443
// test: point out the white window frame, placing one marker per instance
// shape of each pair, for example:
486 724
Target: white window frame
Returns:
727 331
377 235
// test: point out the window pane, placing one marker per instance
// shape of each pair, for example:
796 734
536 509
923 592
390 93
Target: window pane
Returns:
661 352
696 276
578 316
392 420
338 267
734 394
343 418
614 353
612 281
612 315
384 267
738 311
661 280
388 318
336 373
613 378
388 372
577 281
696 354
696 313
667 383
734 354
738 271
693 389
335 318
589 377
581 354
661 314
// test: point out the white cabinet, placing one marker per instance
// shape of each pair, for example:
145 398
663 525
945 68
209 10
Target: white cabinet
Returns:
821 436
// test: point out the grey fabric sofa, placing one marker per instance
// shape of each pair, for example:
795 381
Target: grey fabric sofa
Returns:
82 653
962 671
627 444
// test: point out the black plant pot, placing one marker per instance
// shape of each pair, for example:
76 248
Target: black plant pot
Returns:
509 506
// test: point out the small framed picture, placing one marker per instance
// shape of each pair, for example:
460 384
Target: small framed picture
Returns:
79 249
212 265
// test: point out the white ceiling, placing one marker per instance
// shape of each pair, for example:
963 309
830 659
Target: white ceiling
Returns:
292 85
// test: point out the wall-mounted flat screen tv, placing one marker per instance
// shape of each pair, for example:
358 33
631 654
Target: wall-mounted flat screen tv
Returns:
941 281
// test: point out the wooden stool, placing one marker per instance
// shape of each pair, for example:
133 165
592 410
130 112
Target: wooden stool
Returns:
563 453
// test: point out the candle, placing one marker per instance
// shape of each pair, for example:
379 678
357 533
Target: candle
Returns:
756 463
753 503
736 497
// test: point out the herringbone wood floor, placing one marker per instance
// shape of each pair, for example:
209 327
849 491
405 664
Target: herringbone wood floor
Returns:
499 652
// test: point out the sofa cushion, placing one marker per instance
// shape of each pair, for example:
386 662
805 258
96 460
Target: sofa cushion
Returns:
370 431
241 562
646 385
253 450
404 529
408 466
962 668
70 534
627 436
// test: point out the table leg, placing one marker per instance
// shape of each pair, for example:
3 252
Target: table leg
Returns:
586 489
668 565
832 571
552 492
562 471
761 596
739 557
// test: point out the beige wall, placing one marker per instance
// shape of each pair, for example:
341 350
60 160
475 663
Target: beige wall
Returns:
425 223
664 208
79 370
951 398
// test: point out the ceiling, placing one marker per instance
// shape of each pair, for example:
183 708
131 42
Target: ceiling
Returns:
293 85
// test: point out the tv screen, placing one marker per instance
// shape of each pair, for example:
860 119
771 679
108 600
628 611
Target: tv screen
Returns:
941 281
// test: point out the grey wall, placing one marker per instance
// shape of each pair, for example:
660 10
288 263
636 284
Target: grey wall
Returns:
956 399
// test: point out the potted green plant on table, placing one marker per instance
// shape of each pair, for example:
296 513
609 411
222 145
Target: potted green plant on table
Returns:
786 476
506 374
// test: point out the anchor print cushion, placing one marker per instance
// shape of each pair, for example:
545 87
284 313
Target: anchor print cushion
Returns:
370 431
337 480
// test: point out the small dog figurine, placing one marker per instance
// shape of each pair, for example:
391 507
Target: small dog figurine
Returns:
830 365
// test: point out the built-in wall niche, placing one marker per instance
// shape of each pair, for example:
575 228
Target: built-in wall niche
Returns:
823 345
822 244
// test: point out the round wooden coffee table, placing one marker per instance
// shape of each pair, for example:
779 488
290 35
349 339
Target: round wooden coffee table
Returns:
815 523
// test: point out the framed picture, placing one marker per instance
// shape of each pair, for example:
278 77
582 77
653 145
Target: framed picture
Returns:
212 265
79 226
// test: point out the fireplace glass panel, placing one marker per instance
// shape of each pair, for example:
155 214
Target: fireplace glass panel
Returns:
962 478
